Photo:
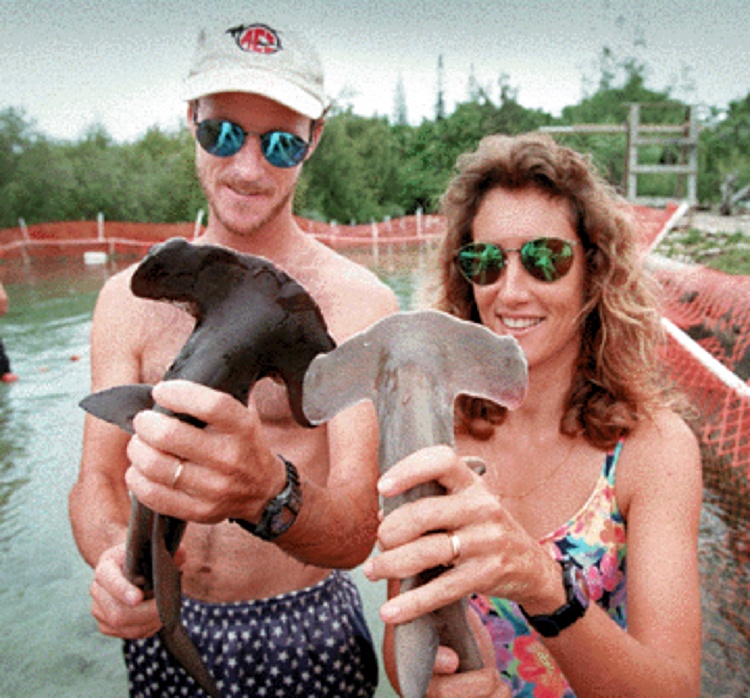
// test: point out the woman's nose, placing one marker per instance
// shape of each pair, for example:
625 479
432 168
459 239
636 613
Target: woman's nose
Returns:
514 279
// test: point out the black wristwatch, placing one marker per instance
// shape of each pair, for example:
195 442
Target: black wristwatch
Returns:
281 512
578 599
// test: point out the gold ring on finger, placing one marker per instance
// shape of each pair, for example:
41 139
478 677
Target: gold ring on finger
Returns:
455 542
178 472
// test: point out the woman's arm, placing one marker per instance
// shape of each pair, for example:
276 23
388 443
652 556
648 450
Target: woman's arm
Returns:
659 484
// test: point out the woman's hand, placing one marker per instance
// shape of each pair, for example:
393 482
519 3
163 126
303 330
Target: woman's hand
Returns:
496 557
483 683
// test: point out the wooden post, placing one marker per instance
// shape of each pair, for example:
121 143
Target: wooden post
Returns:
26 240
693 158
631 187
198 223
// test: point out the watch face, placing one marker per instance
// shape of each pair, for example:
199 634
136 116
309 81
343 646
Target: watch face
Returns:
577 594
579 586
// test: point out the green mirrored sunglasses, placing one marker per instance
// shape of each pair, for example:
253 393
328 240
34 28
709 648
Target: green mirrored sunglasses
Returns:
546 259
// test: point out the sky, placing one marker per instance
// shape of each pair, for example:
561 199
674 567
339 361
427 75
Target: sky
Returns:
70 64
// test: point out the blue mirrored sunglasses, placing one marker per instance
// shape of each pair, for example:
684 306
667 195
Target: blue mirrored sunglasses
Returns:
224 139
546 259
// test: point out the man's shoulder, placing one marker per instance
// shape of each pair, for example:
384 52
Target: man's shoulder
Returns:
335 271
351 295
116 299
119 283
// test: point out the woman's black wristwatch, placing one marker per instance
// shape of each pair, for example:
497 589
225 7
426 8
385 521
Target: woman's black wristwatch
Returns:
281 512
578 599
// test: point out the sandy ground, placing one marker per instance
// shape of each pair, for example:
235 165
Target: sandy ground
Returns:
710 222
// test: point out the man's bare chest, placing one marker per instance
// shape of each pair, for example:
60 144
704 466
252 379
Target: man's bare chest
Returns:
166 332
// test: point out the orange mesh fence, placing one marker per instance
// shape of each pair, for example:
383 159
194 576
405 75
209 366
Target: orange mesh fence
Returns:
713 309
65 239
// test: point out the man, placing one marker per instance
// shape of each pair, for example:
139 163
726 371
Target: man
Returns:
255 105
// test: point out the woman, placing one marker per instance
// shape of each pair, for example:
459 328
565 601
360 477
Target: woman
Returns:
580 540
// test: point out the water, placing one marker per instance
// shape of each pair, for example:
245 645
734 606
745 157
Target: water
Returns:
49 643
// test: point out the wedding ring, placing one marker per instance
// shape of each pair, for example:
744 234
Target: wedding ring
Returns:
455 542
178 472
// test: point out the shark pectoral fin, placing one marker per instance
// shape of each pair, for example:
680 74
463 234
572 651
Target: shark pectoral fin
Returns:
169 602
120 404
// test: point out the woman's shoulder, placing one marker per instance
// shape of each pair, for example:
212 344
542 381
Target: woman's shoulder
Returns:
661 455
664 432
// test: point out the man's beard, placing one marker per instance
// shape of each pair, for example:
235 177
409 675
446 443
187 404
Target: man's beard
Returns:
255 224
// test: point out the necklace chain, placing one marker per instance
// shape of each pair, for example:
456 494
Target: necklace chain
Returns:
544 480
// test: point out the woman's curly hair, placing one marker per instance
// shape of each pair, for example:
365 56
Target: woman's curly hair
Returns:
618 381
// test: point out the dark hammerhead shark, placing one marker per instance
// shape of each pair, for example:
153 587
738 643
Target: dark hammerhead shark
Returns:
412 366
252 321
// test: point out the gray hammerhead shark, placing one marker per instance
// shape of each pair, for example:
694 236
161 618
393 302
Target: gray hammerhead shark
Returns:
412 366
252 321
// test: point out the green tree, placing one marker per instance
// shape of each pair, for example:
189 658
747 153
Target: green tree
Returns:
354 175
43 188
17 133
725 150
622 82
400 112
432 149
160 182
364 168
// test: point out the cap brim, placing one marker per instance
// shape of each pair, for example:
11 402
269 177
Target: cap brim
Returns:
254 82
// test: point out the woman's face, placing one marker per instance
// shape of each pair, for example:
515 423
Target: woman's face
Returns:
543 316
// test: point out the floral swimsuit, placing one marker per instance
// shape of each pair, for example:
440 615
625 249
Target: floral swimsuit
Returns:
595 540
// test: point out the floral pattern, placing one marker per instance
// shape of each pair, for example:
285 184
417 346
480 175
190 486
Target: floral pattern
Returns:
595 540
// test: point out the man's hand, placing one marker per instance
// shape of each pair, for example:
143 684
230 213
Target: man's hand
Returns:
118 605
225 470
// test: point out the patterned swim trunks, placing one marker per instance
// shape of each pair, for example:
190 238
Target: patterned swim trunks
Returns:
312 642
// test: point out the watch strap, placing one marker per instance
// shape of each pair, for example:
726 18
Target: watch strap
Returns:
577 601
281 511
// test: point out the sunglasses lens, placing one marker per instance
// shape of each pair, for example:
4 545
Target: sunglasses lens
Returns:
481 263
547 259
283 149
220 138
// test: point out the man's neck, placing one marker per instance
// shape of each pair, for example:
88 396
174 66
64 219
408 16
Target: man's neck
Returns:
274 240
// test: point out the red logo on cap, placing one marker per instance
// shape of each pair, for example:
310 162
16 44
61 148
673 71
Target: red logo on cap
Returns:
256 38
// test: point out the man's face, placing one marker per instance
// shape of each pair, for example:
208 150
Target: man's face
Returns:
245 192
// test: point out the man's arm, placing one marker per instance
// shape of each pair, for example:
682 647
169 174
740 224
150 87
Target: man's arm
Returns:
231 472
98 502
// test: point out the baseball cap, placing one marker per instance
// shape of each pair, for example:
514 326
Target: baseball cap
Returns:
260 59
